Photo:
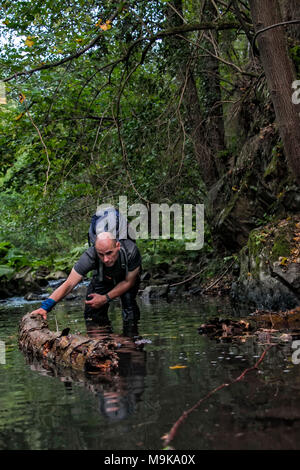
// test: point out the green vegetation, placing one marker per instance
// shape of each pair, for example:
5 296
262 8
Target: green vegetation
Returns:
152 100
273 242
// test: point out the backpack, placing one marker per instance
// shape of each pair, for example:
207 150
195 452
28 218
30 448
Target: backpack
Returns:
108 219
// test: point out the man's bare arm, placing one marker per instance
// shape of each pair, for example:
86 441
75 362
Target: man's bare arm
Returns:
66 287
73 279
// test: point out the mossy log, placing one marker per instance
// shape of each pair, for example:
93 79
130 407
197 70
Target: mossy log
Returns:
70 350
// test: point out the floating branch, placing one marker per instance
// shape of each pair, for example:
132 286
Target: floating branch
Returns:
167 438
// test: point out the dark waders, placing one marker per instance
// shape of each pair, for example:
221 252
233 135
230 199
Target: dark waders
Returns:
130 309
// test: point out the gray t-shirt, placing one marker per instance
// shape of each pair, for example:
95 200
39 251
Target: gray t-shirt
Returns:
89 261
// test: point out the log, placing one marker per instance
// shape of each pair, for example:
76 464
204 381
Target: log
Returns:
227 329
278 320
68 350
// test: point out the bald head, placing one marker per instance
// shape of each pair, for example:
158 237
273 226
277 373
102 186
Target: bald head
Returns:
107 248
105 236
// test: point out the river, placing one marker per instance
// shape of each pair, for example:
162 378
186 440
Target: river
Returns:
45 408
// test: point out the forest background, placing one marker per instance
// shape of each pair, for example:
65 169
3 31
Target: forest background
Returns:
186 102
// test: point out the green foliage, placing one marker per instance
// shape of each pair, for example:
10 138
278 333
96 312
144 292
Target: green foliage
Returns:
156 252
12 260
4 248
6 271
295 56
114 119
173 252
16 258
66 263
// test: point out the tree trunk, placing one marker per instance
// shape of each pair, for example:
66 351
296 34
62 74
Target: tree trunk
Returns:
290 10
199 133
205 131
280 75
207 124
210 83
76 351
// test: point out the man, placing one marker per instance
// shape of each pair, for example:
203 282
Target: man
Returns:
116 267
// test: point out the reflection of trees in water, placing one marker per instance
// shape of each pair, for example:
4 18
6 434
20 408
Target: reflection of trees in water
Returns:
119 392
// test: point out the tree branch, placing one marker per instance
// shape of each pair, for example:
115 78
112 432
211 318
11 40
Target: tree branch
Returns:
226 62
45 147
283 23
243 23
185 28
167 438
77 54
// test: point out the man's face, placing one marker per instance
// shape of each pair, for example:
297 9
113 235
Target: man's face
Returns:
108 251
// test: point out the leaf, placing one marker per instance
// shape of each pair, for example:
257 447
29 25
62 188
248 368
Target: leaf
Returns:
17 118
283 261
22 97
178 366
105 27
6 270
4 247
29 42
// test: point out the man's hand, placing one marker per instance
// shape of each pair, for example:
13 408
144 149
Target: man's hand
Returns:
96 301
40 311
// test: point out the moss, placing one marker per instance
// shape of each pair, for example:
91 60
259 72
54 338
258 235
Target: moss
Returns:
256 245
265 246
281 247
260 242
272 167
256 242
257 263
230 206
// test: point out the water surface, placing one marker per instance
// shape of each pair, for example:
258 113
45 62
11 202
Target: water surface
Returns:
45 408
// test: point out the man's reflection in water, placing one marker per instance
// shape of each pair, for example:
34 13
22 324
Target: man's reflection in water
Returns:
118 400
